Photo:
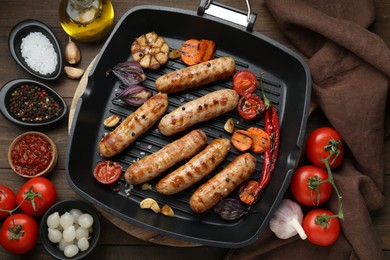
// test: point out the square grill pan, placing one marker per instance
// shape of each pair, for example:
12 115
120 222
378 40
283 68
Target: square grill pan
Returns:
287 84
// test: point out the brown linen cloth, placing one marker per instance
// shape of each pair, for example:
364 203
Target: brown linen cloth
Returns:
350 68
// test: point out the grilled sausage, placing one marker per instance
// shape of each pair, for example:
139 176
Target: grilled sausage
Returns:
196 75
223 183
134 125
154 164
195 169
199 110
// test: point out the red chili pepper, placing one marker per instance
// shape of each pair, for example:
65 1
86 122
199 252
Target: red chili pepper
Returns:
271 155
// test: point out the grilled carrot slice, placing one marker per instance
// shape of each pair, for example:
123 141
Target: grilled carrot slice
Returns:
194 51
206 50
261 140
189 51
247 192
241 140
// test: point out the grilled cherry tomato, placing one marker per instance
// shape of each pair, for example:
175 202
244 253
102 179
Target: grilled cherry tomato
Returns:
250 106
244 82
320 228
320 143
19 233
7 200
41 195
307 188
107 172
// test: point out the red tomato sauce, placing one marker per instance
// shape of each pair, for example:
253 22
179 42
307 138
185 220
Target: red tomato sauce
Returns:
31 155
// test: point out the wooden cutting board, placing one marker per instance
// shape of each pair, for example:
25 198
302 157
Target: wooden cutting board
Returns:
123 225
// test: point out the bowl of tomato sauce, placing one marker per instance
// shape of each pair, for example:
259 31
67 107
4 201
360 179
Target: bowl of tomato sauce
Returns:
32 154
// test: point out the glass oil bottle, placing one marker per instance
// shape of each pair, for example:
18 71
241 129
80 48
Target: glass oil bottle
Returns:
86 20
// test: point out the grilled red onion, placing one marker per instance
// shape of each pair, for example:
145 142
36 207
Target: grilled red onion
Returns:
128 72
134 95
231 209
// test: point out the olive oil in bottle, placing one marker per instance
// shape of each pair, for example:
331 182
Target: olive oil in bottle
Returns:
86 20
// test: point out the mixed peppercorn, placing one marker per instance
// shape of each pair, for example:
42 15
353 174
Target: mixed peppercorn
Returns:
33 104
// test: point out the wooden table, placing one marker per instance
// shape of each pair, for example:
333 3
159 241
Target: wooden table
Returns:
115 243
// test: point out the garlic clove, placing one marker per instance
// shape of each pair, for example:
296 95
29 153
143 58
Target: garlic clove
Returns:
72 52
73 73
229 126
112 121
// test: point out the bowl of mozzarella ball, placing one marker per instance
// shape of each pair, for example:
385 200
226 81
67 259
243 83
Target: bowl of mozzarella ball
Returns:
70 229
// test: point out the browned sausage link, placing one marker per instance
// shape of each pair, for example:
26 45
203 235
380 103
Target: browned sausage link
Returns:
199 110
134 125
223 183
196 75
195 169
154 164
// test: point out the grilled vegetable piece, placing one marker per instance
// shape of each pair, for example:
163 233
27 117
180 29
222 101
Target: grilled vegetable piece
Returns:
261 140
255 139
241 140
194 51
150 51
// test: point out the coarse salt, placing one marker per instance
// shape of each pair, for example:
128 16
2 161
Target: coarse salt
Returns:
39 53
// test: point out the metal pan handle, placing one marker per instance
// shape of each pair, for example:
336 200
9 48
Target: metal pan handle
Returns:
228 13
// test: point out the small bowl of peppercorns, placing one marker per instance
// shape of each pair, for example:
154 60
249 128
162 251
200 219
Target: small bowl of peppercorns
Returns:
30 103
32 154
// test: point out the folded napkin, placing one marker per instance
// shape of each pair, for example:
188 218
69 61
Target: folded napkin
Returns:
350 68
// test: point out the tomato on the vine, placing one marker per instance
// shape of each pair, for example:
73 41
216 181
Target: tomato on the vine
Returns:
244 82
19 233
7 200
320 228
321 143
41 195
308 186
250 106
107 172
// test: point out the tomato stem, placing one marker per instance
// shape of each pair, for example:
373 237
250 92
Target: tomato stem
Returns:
314 185
340 213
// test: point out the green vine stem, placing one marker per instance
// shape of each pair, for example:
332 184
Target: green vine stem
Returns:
340 213
332 148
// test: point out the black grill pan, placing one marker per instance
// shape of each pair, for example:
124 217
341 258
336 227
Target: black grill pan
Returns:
287 84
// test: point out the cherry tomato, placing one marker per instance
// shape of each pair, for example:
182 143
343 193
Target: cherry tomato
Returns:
319 228
19 233
244 82
40 192
306 188
321 139
250 106
7 200
107 172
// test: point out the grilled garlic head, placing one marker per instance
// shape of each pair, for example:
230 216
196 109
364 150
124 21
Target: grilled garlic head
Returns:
150 50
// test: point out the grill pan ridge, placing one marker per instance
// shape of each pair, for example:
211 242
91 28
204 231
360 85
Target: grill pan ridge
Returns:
287 84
